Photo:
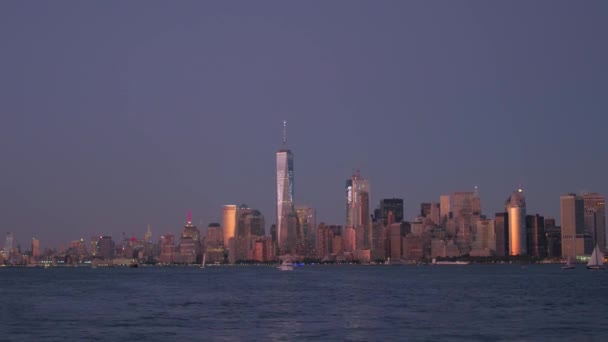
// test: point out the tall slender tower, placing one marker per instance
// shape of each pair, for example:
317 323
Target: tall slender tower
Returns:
357 209
285 206
516 209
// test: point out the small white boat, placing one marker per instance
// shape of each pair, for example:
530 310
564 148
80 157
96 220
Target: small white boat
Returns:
286 266
596 262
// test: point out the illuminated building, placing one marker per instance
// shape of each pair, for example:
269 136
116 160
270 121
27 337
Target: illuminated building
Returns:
8 245
229 223
516 209
444 208
286 229
357 209
167 249
572 211
189 246
214 243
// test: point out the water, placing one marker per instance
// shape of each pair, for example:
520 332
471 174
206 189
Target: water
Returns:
356 303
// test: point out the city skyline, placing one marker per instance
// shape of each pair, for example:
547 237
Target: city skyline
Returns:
110 127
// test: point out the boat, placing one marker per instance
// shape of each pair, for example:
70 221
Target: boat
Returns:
203 262
596 262
435 262
286 266
134 265
568 265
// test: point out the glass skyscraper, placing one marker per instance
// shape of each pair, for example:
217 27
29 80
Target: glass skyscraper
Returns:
285 207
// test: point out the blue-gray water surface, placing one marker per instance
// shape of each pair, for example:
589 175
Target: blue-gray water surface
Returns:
356 303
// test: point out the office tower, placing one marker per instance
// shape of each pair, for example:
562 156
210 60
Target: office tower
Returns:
35 248
595 219
501 229
425 209
94 246
435 214
378 248
485 238
229 223
391 206
189 245
285 198
106 247
516 208
8 245
536 239
214 243
444 208
553 238
148 235
250 222
573 225
357 209
307 230
465 205
167 249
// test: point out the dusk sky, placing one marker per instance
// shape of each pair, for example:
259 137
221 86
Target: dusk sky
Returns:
119 114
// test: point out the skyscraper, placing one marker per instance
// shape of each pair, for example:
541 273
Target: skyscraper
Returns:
285 204
357 209
391 205
501 228
35 248
229 223
308 230
516 209
8 245
595 219
536 238
444 208
573 225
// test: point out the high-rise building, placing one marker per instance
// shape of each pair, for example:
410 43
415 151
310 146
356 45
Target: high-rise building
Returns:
425 209
189 245
35 248
573 225
516 208
307 230
391 206
148 235
106 247
501 229
8 245
357 210
465 205
595 219
554 238
485 237
229 223
285 198
536 239
444 208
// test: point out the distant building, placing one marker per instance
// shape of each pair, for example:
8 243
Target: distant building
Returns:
595 219
444 208
285 198
106 247
214 243
573 225
553 235
35 248
485 238
501 232
357 209
391 207
229 222
516 208
189 245
536 238
307 230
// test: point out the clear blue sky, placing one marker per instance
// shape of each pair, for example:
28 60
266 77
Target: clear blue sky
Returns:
116 114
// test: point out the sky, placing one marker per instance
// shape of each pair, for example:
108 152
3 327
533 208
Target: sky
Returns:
119 114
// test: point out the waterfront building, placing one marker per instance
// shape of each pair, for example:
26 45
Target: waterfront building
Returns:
465 205
285 198
595 219
378 248
554 238
435 213
357 209
536 236
214 243
106 247
189 246
501 232
484 238
307 230
228 222
515 206
573 225
168 250
8 245
35 248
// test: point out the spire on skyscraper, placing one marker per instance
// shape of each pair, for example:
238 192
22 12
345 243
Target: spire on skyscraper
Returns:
189 216
284 134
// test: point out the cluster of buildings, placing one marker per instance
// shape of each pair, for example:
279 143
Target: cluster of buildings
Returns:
452 227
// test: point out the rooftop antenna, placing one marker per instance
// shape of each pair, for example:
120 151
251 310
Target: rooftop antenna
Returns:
284 133
189 216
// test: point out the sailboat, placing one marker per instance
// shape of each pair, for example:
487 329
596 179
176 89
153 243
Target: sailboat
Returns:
596 262
568 265
203 263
